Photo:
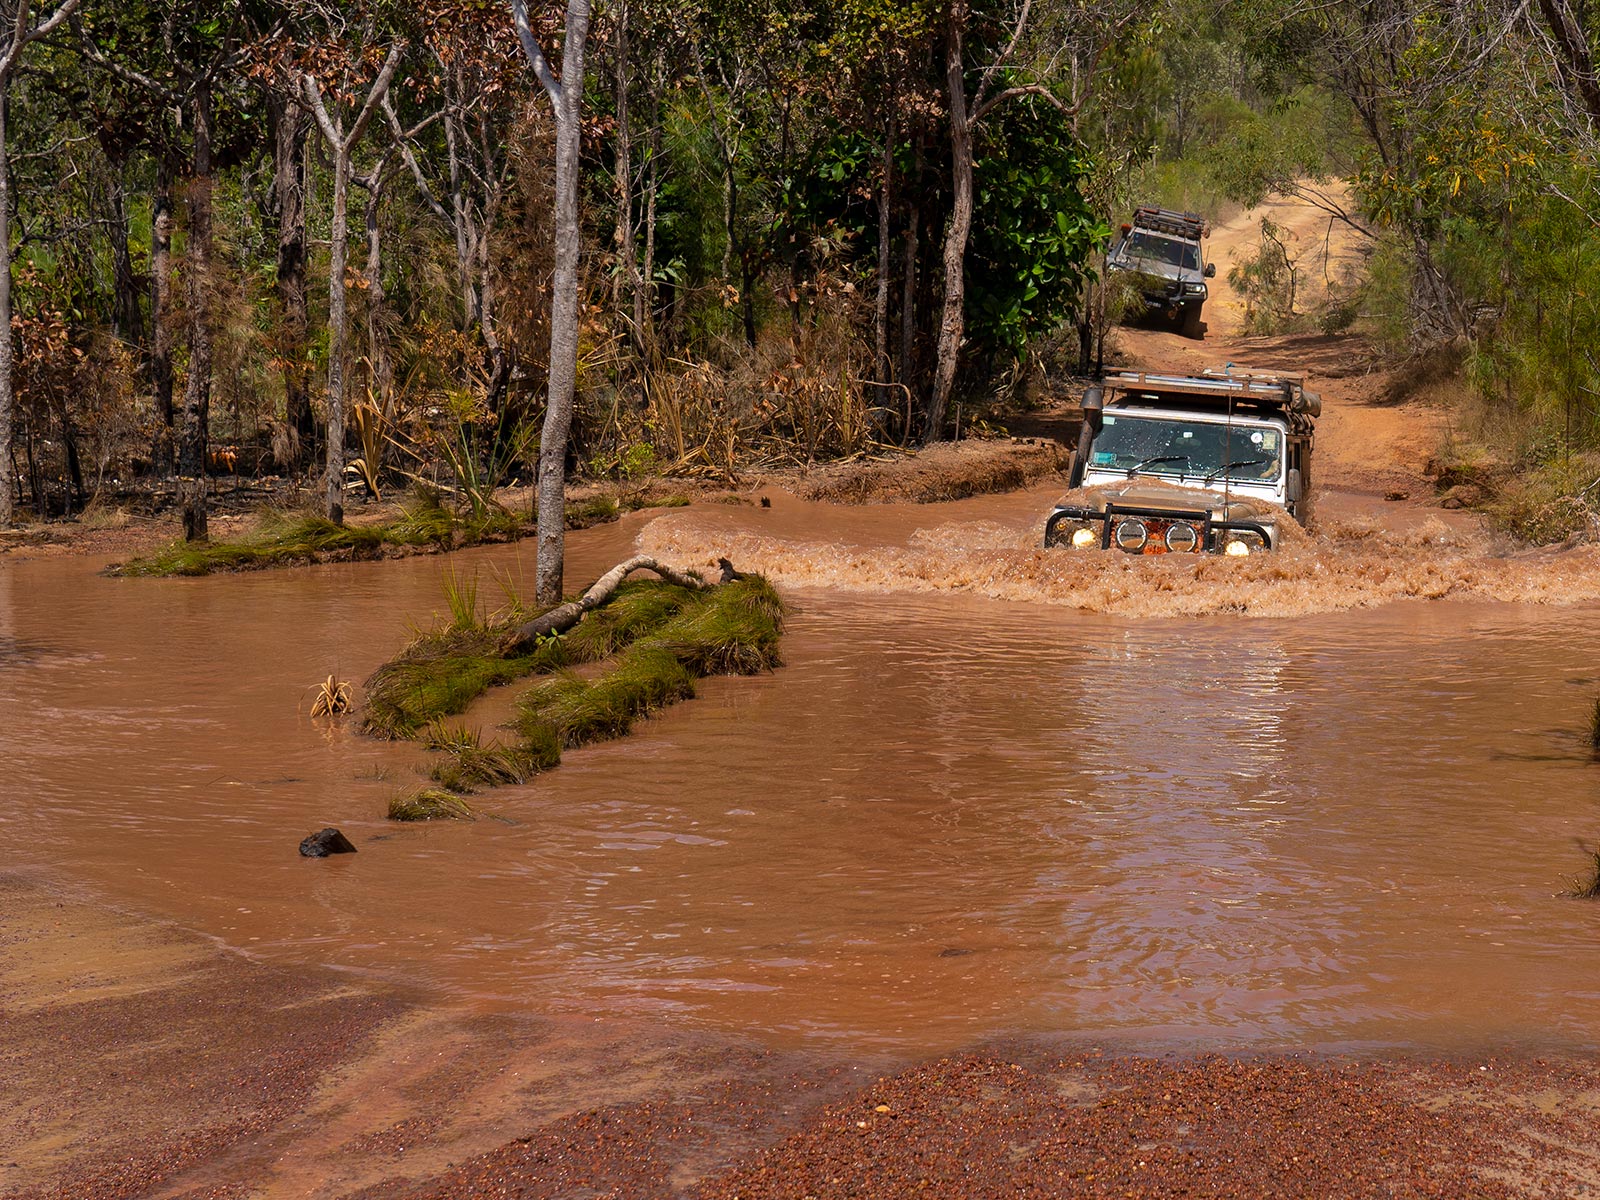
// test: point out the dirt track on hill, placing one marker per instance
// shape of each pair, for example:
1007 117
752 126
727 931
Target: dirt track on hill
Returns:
1366 446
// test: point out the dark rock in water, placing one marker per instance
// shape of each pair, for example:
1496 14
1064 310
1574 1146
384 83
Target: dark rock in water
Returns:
728 573
325 842
954 952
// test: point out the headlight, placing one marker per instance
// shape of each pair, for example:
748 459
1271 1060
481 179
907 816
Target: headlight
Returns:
1181 538
1132 535
1082 539
1195 289
1236 549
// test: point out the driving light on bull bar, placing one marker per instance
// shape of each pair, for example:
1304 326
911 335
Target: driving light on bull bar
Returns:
1132 535
1236 549
1182 538
1082 539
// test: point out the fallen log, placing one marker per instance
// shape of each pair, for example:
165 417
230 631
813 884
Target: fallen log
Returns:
564 616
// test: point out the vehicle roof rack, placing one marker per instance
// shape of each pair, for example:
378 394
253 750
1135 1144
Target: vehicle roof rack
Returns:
1166 220
1283 390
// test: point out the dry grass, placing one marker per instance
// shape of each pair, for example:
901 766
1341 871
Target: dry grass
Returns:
1586 887
332 699
430 804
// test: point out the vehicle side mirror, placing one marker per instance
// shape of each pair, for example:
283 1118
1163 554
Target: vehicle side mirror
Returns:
1292 488
1211 270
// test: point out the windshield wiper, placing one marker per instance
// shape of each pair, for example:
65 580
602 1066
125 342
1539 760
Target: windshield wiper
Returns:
1150 462
1225 468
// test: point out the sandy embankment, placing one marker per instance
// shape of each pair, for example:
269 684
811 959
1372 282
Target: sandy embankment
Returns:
142 1061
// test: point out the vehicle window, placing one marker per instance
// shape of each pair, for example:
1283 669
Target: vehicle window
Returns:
1190 448
1151 247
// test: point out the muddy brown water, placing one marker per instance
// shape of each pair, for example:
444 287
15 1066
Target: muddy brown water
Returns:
949 817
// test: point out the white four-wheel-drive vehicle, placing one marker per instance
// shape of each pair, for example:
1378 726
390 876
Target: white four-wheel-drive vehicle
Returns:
1189 464
1160 251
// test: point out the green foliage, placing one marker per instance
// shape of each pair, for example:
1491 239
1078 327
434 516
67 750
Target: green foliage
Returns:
1034 232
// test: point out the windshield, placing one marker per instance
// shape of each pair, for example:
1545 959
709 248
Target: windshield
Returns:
1152 247
1167 446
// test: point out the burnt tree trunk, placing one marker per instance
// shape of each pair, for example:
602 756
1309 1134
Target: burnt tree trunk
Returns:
289 188
193 434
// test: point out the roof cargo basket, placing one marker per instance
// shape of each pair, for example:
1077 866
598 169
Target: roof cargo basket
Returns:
1165 220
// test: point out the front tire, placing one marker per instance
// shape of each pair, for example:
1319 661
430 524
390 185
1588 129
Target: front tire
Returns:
1192 326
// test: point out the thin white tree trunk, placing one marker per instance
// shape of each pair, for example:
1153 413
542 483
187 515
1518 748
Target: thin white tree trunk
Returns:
952 324
342 144
566 96
339 336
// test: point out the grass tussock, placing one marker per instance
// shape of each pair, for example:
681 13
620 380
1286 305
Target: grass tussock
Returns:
655 638
732 630
574 711
430 804
1594 724
288 538
437 678
442 672
469 764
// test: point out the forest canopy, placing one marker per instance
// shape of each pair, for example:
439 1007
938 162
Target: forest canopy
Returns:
317 239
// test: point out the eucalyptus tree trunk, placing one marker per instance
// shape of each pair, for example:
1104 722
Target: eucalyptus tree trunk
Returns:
566 97
342 144
880 305
289 187
125 321
952 323
193 433
377 335
627 279
162 450
644 297
7 483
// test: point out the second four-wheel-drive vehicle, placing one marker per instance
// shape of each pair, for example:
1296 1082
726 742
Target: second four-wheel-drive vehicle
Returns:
1189 464
1159 250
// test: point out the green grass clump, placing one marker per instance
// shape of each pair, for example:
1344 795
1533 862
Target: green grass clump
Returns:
430 804
441 673
1594 724
655 638
430 681
469 764
735 631
646 677
282 539
634 610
